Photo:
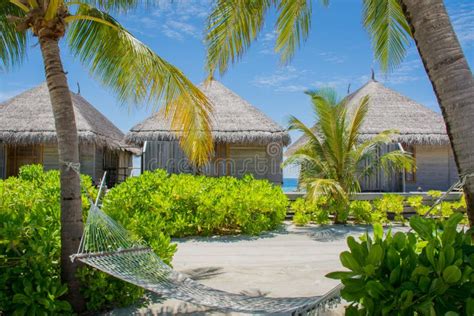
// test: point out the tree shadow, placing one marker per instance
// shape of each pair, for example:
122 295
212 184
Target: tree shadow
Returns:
203 273
282 230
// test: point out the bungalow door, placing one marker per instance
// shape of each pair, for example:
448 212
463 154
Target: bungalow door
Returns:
21 155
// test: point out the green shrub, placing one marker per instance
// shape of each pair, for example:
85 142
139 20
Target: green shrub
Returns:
416 202
361 211
311 211
426 272
389 203
159 205
30 249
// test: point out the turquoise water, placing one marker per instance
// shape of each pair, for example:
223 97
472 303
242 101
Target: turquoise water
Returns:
290 184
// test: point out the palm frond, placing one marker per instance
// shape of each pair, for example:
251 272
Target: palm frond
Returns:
293 26
397 160
116 5
389 30
13 44
356 122
231 28
137 74
318 187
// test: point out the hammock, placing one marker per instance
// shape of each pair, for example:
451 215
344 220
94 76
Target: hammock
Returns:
107 246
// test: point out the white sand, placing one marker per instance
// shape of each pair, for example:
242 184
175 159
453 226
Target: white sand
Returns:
287 263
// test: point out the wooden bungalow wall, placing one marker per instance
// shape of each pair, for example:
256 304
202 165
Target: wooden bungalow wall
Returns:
87 158
436 168
229 159
379 180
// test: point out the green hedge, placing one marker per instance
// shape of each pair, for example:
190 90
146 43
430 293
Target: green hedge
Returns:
153 206
366 212
158 204
30 250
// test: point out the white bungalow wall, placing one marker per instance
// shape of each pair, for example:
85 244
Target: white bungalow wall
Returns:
436 168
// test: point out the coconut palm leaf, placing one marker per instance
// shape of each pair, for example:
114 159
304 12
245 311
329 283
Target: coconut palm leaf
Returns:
293 25
358 118
389 29
13 43
118 5
231 27
137 74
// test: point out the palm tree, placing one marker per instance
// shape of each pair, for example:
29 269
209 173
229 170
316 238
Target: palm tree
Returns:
233 25
331 162
120 62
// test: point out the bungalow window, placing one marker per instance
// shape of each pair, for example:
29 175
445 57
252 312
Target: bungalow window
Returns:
21 155
410 176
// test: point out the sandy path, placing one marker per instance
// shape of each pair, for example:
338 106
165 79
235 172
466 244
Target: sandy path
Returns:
289 262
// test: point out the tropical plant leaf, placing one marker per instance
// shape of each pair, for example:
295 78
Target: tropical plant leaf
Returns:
389 30
293 25
13 44
231 28
137 75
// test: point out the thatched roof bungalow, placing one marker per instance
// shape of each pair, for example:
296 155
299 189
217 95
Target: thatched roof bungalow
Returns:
245 139
28 135
421 132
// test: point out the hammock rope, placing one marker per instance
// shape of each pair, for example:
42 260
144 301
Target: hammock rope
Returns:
109 247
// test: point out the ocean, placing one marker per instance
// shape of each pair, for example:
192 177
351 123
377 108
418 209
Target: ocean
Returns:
290 184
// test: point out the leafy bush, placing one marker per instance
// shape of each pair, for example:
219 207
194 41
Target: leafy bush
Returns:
311 211
361 211
389 203
416 202
426 272
159 205
30 249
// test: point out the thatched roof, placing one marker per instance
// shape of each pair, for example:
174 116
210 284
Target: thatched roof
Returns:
389 109
28 119
234 120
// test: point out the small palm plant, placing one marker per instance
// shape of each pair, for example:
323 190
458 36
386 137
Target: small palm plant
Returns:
331 160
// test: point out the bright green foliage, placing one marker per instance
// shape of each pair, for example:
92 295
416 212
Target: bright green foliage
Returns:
425 272
392 203
104 292
30 248
159 205
307 211
361 211
434 194
416 202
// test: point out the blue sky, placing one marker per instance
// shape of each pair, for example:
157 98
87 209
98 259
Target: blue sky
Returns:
338 53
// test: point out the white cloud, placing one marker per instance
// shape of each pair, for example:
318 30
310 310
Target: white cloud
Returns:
175 19
406 72
292 88
280 80
267 43
462 18
332 57
179 29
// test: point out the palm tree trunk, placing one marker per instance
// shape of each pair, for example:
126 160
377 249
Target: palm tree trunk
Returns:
68 149
451 79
